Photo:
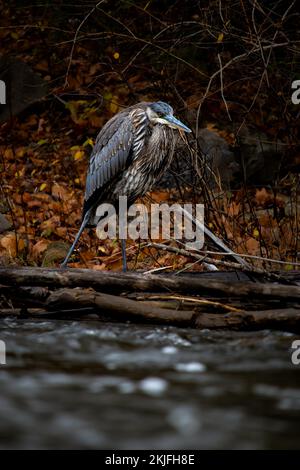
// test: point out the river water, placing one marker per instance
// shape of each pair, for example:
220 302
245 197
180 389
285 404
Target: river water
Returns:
90 385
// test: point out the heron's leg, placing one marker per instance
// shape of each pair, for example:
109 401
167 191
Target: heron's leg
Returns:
83 224
123 242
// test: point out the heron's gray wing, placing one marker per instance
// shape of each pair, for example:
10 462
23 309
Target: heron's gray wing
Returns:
109 156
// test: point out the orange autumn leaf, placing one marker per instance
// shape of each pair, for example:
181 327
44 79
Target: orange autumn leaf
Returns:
50 224
252 246
8 242
233 209
262 196
61 231
98 267
160 196
59 192
39 248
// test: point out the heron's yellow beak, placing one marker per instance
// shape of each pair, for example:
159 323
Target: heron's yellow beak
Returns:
175 123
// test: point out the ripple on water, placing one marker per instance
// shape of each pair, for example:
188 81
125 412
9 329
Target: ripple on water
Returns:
191 367
154 386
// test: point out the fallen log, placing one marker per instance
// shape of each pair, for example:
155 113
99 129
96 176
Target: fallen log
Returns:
25 295
279 319
119 282
77 303
122 308
119 307
25 313
63 294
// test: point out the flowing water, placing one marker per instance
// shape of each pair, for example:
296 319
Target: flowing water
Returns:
89 385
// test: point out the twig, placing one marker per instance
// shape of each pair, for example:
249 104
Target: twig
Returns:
156 270
200 258
242 255
75 39
222 87
230 62
215 239
192 300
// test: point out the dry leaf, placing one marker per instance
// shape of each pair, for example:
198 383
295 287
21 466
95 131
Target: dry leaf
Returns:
8 242
39 248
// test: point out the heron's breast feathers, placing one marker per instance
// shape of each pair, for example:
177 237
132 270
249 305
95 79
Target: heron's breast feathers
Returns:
140 123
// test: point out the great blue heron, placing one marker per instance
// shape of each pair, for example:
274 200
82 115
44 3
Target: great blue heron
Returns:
131 152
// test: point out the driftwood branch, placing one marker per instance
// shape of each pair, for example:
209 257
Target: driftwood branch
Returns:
119 307
123 308
281 319
204 258
77 303
30 295
119 282
43 313
216 240
188 301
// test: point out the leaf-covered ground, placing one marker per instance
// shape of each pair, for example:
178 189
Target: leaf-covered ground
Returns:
44 150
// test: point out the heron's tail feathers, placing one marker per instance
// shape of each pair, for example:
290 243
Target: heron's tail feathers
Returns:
82 227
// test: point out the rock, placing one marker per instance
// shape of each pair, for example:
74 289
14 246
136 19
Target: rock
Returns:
23 87
259 158
220 167
254 161
4 224
216 163
55 253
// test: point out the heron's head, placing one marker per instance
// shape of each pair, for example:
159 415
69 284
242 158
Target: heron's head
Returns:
162 113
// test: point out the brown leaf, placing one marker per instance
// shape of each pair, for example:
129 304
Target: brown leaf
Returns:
262 196
8 242
252 246
39 248
59 192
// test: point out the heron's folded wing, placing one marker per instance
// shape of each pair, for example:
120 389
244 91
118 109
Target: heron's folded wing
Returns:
109 156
